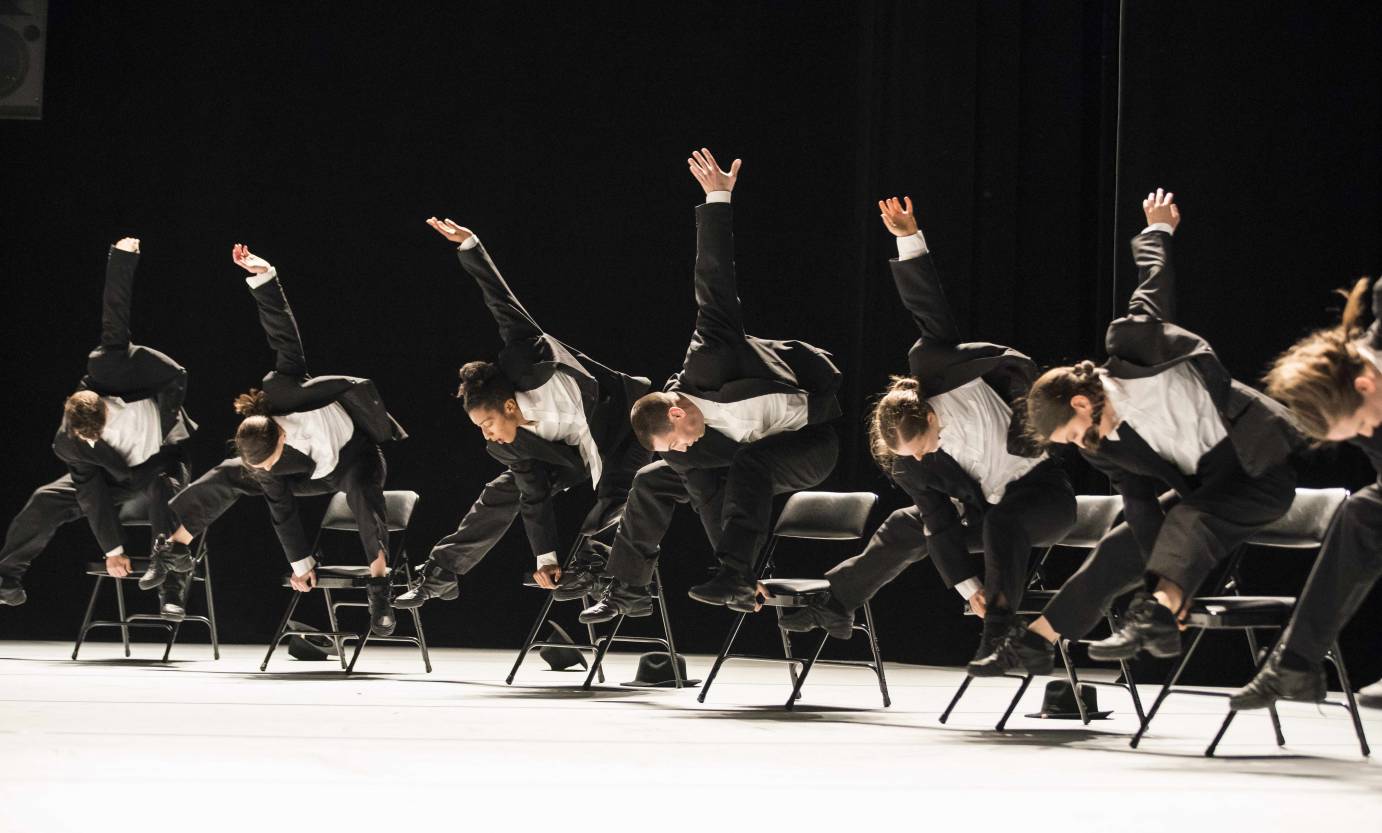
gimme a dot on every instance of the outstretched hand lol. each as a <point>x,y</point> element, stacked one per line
<point>247,260</point>
<point>707,171</point>
<point>897,216</point>
<point>1161,208</point>
<point>128,244</point>
<point>450,229</point>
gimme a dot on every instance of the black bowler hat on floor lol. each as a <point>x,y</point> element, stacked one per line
<point>1058,703</point>
<point>308,648</point>
<point>560,659</point>
<point>655,671</point>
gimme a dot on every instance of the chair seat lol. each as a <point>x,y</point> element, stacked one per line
<point>338,577</point>
<point>1240,611</point>
<point>795,592</point>
<point>137,567</point>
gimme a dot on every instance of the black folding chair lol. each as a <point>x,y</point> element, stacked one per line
<point>1094,517</point>
<point>813,516</point>
<point>1302,527</point>
<point>399,507</point>
<point>135,514</point>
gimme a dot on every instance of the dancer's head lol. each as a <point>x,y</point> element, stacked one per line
<point>259,440</point>
<point>666,422</point>
<point>488,397</point>
<point>1325,379</point>
<point>85,415</point>
<point>1066,405</point>
<point>902,423</point>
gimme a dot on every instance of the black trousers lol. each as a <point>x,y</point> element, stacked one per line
<point>1349,564</point>
<point>1037,509</point>
<point>359,473</point>
<point>1199,530</point>
<point>736,511</point>
<point>55,504</point>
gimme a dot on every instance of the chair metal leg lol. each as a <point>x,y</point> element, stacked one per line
<point>964,686</point>
<point>806,669</point>
<point>335,626</point>
<point>86,621</point>
<point>877,655</point>
<point>600,651</point>
<point>1336,658</point>
<point>210,600</point>
<point>787,651</point>
<point>1012,706</point>
<point>422,641</point>
<point>177,628</point>
<point>667,631</point>
<point>1223,728</point>
<point>282,626</point>
<point>1073,679</point>
<point>532,637</point>
<point>587,601</point>
<point>124,628</point>
<point>1126,669</point>
<point>359,646</point>
<point>720,659</point>
<point>1166,689</point>
<point>1276,725</point>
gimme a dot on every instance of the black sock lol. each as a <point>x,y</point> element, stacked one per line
<point>1294,661</point>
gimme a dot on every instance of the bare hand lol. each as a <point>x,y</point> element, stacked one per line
<point>248,261</point>
<point>707,171</point>
<point>547,576</point>
<point>450,229</point>
<point>897,216</point>
<point>1160,208</point>
<point>118,565</point>
<point>979,604</point>
<point>305,582</point>
<point>128,244</point>
<point>761,595</point>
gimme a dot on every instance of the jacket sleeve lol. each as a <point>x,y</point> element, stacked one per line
<point>919,287</point>
<point>535,504</point>
<point>280,328</point>
<point>945,535</point>
<point>718,315</point>
<point>1141,501</point>
<point>94,498</point>
<point>515,324</point>
<point>1155,295</point>
<point>117,297</point>
<point>283,510</point>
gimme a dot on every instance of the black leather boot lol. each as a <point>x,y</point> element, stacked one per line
<point>381,618</point>
<point>1147,626</point>
<point>170,596</point>
<point>437,583</point>
<point>996,623</point>
<point>825,614</point>
<point>619,599</point>
<point>1017,649</point>
<point>729,588</point>
<point>168,557</point>
<point>583,576</point>
<point>1277,682</point>
<point>12,592</point>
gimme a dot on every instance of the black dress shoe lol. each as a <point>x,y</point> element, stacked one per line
<point>821,614</point>
<point>1147,626</point>
<point>168,557</point>
<point>996,623</point>
<point>170,594</point>
<point>437,583</point>
<point>12,592</point>
<point>1276,682</point>
<point>729,588</point>
<point>619,599</point>
<point>577,585</point>
<point>381,618</point>
<point>1017,649</point>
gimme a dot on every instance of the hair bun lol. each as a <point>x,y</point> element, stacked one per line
<point>1084,369</point>
<point>477,373</point>
<point>904,383</point>
<point>253,403</point>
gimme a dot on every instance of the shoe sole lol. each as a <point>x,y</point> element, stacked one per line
<point>706,599</point>
<point>633,614</point>
<point>173,617</point>
<point>13,601</point>
<point>1160,650</point>
<point>151,584</point>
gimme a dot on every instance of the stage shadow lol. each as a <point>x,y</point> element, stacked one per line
<point>114,662</point>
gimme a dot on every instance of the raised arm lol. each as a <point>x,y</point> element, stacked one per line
<point>118,367</point>
<point>515,324</point>
<point>280,327</point>
<point>1155,295</point>
<point>718,316</point>
<point>918,282</point>
<point>119,292</point>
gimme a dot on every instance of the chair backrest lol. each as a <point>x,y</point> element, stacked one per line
<point>1304,524</point>
<point>826,516</point>
<point>1094,516</point>
<point>135,512</point>
<point>398,512</point>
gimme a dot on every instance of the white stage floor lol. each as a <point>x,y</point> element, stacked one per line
<point>109,744</point>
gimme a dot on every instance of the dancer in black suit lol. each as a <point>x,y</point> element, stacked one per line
<point>555,418</point>
<point>1162,410</point>
<point>950,433</point>
<point>300,436</point>
<point>744,420</point>
<point>121,438</point>
<point>1332,381</point>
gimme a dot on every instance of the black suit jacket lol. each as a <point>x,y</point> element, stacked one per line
<point>1147,342</point>
<point>530,356</point>
<point>723,363</point>
<point>133,373</point>
<point>940,362</point>
<point>289,387</point>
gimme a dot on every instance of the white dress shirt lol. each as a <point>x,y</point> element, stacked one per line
<point>134,430</point>
<point>1172,411</point>
<point>749,420</point>
<point>974,422</point>
<point>320,434</point>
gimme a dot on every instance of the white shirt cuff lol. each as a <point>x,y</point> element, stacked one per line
<point>1166,227</point>
<point>913,245</point>
<point>470,242</point>
<point>717,196</point>
<point>120,550</point>
<point>256,281</point>
<point>304,566</point>
<point>968,588</point>
<point>547,559</point>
